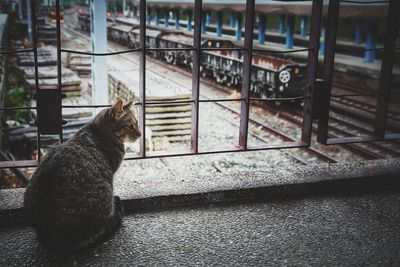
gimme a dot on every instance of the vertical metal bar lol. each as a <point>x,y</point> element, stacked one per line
<point>328,68</point>
<point>35,64</point>
<point>196,75</point>
<point>312,63</point>
<point>392,28</point>
<point>142,75</point>
<point>59,73</point>
<point>246,83</point>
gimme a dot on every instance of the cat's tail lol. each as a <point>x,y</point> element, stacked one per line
<point>71,242</point>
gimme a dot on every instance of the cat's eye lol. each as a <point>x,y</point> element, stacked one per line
<point>129,127</point>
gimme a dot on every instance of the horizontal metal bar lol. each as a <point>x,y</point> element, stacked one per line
<point>17,108</point>
<point>18,164</point>
<point>296,98</point>
<point>86,106</point>
<point>378,49</point>
<point>345,95</point>
<point>101,54</point>
<point>220,100</point>
<point>160,102</point>
<point>179,153</point>
<point>281,51</point>
<point>222,49</point>
<point>359,139</point>
<point>16,51</point>
<point>169,49</point>
<point>364,2</point>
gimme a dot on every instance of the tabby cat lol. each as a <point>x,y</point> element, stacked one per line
<point>69,200</point>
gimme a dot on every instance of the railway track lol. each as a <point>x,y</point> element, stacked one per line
<point>367,151</point>
<point>282,135</point>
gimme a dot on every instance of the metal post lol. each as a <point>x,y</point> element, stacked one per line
<point>322,40</point>
<point>196,75</point>
<point>247,59</point>
<point>208,18</point>
<point>98,34</point>
<point>142,75</point>
<point>303,26</point>
<point>328,69</point>
<point>282,20</point>
<point>261,28</point>
<point>148,17</point>
<point>359,30</point>
<point>123,8</point>
<point>219,23</point>
<point>189,20</point>
<point>177,19</point>
<point>20,10</point>
<point>166,18</point>
<point>238,34</point>
<point>29,19</point>
<point>232,21</point>
<point>203,22</point>
<point>157,18</point>
<point>392,28</point>
<point>290,32</point>
<point>369,56</point>
<point>312,63</point>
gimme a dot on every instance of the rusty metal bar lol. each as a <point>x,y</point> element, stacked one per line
<point>35,63</point>
<point>18,164</point>
<point>315,30</point>
<point>178,153</point>
<point>359,139</point>
<point>16,51</point>
<point>296,98</point>
<point>196,75</point>
<point>142,75</point>
<point>328,69</point>
<point>267,51</point>
<point>59,72</point>
<point>392,27</point>
<point>100,54</point>
<point>246,82</point>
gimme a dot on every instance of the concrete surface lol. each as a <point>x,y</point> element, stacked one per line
<point>331,230</point>
<point>172,191</point>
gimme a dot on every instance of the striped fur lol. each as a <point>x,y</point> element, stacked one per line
<point>69,199</point>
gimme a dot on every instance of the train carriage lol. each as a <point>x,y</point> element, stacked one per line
<point>271,77</point>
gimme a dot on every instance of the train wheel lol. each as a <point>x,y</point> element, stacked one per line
<point>169,58</point>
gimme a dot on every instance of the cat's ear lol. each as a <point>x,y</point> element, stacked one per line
<point>128,106</point>
<point>117,107</point>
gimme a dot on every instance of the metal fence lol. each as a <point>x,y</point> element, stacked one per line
<point>49,105</point>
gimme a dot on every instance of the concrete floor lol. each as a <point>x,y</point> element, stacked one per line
<point>335,230</point>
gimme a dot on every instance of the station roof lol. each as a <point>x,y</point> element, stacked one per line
<point>365,8</point>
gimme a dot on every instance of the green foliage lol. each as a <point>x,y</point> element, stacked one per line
<point>17,97</point>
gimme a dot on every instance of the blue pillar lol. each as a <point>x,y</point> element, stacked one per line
<point>359,30</point>
<point>148,17</point>
<point>209,18</point>
<point>290,32</point>
<point>322,41</point>
<point>232,24</point>
<point>177,19</point>
<point>370,43</point>
<point>219,23</point>
<point>189,20</point>
<point>157,18</point>
<point>166,18</point>
<point>282,19</point>
<point>303,26</point>
<point>261,28</point>
<point>29,20</point>
<point>238,34</point>
<point>203,22</point>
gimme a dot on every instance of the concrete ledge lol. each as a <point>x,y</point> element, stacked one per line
<point>366,176</point>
